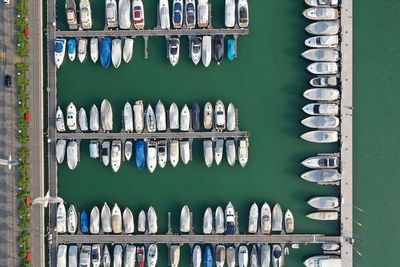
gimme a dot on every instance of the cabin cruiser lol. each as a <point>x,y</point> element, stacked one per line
<point>322,162</point>
<point>162,153</point>
<point>229,13</point>
<point>138,14</point>
<point>116,52</point>
<point>265,219</point>
<point>174,255</point>
<point>196,256</point>
<point>323,260</point>
<point>73,256</point>
<point>130,255</point>
<point>60,124</point>
<point>208,116</point>
<point>83,121</point>
<point>323,68</point>
<point>84,222</point>
<point>61,219</point>
<point>321,54</point>
<point>59,51</point>
<point>208,152</point>
<point>105,153</point>
<point>289,222</point>
<point>60,150</point>
<point>142,222</point>
<point>220,120</point>
<point>207,222</point>
<point>324,215</point>
<point>105,52</point>
<point>219,221</point>
<point>116,219</point>
<point>84,257</point>
<point>219,48</point>
<point>106,218</point>
<point>127,218</point>
<point>161,117</point>
<point>117,259</point>
<point>152,220</point>
<point>230,219</point>
<point>82,49</point>
<point>322,94</point>
<point>231,118</point>
<point>140,154</point>
<point>243,256</point>
<point>324,203</point>
<point>106,257</point>
<point>321,122</point>
<point>230,151</point>
<point>85,14</point>
<point>321,109</point>
<point>265,255</point>
<point>326,176</point>
<point>150,119</point>
<point>277,218</point>
<point>173,117</point>
<point>206,51</point>
<point>96,255</point>
<point>324,81</point>
<point>207,257</point>
<point>253,219</point>
<point>328,41</point>
<point>185,219</point>
<point>195,117</point>
<point>185,119</point>
<point>151,155</point>
<point>219,150</point>
<point>128,118</point>
<point>322,3</point>
<point>321,136</point>
<point>243,151</point>
<point>243,14</point>
<point>72,220</point>
<point>254,257</point>
<point>128,148</point>
<point>323,28</point>
<point>138,111</point>
<point>111,14</point>
<point>116,149</point>
<point>177,14</point>
<point>195,49</point>
<point>128,50</point>
<point>330,246</point>
<point>321,13</point>
<point>71,49</point>
<point>164,14</point>
<point>71,14</point>
<point>277,256</point>
<point>231,53</point>
<point>95,220</point>
<point>185,151</point>
<point>174,152</point>
<point>173,50</point>
<point>94,149</point>
<point>231,256</point>
<point>202,13</point>
<point>124,14</point>
<point>190,14</point>
<point>94,49</point>
<point>152,255</point>
<point>72,155</point>
<point>106,115</point>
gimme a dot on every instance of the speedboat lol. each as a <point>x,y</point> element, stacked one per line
<point>207,257</point>
<point>265,255</point>
<point>128,148</point>
<point>116,219</point>
<point>72,155</point>
<point>82,49</point>
<point>150,120</point>
<point>206,50</point>
<point>177,14</point>
<point>106,115</point>
<point>124,14</point>
<point>151,155</point>
<point>324,81</point>
<point>152,221</point>
<point>322,176</point>
<point>127,218</point>
<point>253,219</point>
<point>231,256</point>
<point>152,255</point>
<point>117,259</point>
<point>94,149</point>
<point>230,151</point>
<point>185,151</point>
<point>195,117</point>
<point>323,68</point>
<point>174,255</point>
<point>140,154</point>
<point>243,151</point>
<point>95,220</point>
<point>329,41</point>
<point>277,256</point>
<point>71,117</point>
<point>111,14</point>
<point>322,94</point>
<point>185,119</point>
<point>277,218</point>
<point>83,121</point>
<point>94,49</point>
<point>231,54</point>
<point>174,152</point>
<point>230,219</point>
<point>161,117</point>
<point>208,152</point>
<point>173,50</point>
<point>173,117</point>
<point>202,13</point>
<point>322,3</point>
<point>105,52</point>
<point>289,222</point>
<point>138,111</point>
<point>116,149</point>
<point>105,153</point>
<point>61,219</point>
<point>71,14</point>
<point>128,118</point>
<point>130,256</point>
<point>321,54</point>
<point>106,218</point>
<point>164,14</point>
<point>60,124</point>
<point>265,219</point>
<point>73,256</point>
<point>190,14</point>
<point>321,109</point>
<point>128,49</point>
<point>195,49</point>
<point>321,122</point>
<point>330,246</point>
<point>231,118</point>
<point>321,13</point>
<point>324,215</point>
<point>142,222</point>
<point>219,150</point>
<point>60,150</point>
<point>162,153</point>
<point>196,256</point>
<point>219,48</point>
<point>321,136</point>
<point>220,120</point>
<point>243,256</point>
<point>323,28</point>
<point>116,52</point>
<point>96,255</point>
<point>254,257</point>
<point>322,162</point>
<point>323,260</point>
<point>59,51</point>
<point>85,14</point>
<point>84,257</point>
<point>207,222</point>
<point>138,14</point>
<point>62,256</point>
<point>219,221</point>
<point>72,220</point>
<point>84,222</point>
<point>71,49</point>
<point>243,14</point>
<point>185,219</point>
<point>106,257</point>
<point>324,203</point>
<point>208,116</point>
<point>229,13</point>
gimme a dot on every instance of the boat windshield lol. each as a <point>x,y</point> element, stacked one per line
<point>190,16</point>
<point>243,14</point>
<point>161,149</point>
<point>177,16</point>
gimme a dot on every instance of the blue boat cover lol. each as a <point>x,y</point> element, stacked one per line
<point>140,154</point>
<point>231,49</point>
<point>208,258</point>
<point>177,13</point>
<point>84,222</point>
<point>105,53</point>
<point>58,46</point>
<point>71,46</point>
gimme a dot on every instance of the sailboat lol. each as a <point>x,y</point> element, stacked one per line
<point>116,51</point>
<point>173,117</point>
<point>128,118</point>
<point>72,220</point>
<point>161,118</point>
<point>116,219</point>
<point>95,220</point>
<point>106,218</point>
<point>130,256</point>
<point>277,218</point>
<point>124,14</point>
<point>94,119</point>
<point>61,219</point>
<point>207,221</point>
<point>152,221</point>
<point>72,155</point>
<point>94,49</point>
<point>253,219</point>
<point>106,115</point>
<point>128,49</point>
<point>83,121</point>
<point>127,217</point>
<point>185,219</point>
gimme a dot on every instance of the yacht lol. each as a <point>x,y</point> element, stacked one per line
<point>173,50</point>
<point>152,255</point>
<point>277,256</point>
<point>174,255</point>
<point>106,218</point>
<point>173,117</point>
<point>206,51</point>
<point>324,28</point>
<point>321,122</point>
<point>277,218</point>
<point>128,49</point>
<point>208,152</point>
<point>324,215</point>
<point>185,119</point>
<point>127,218</point>
<point>161,117</point>
<point>289,222</point>
<point>265,255</point>
<point>186,153</point>
<point>124,14</point>
<point>254,257</point>
<point>207,257</point>
<point>322,176</point>
<point>219,48</point>
<point>94,119</point>
<point>196,256</point>
<point>322,3</point>
<point>322,94</point>
<point>111,14</point>
<point>253,219</point>
<point>321,109</point>
<point>321,13</point>
<point>59,51</point>
<point>177,13</point>
<point>84,257</point>
<point>95,220</point>
<point>322,162</point>
<point>116,51</point>
<point>94,149</point>
<point>83,121</point>
<point>130,256</point>
<point>85,14</point>
<point>174,152</point>
<point>96,255</point>
<point>84,222</point>
<point>324,81</point>
<point>243,256</point>
<point>230,151</point>
<point>94,49</point>
<point>138,111</point>
<point>218,151</point>
<point>185,219</point>
<point>164,14</point>
<point>128,118</point>
<point>116,149</point>
<point>117,259</point>
<point>162,153</point>
<point>72,220</point>
<point>140,154</point>
<point>219,221</point>
<point>202,13</point>
<point>82,49</point>
<point>208,116</point>
<point>328,41</point>
<point>128,148</point>
<point>324,203</point>
<point>220,120</point>
<point>60,150</point>
<point>330,246</point>
<point>321,54</point>
<point>138,14</point>
<point>150,119</point>
<point>207,222</point>
<point>151,155</point>
<point>142,222</point>
<point>190,14</point>
<point>195,117</point>
<point>323,260</point>
<point>60,124</point>
<point>265,219</point>
<point>106,257</point>
<point>106,115</point>
<point>73,256</point>
<point>116,219</point>
<point>61,219</point>
<point>229,13</point>
<point>321,136</point>
<point>323,68</point>
<point>152,221</point>
<point>105,153</point>
<point>71,14</point>
<point>105,52</point>
<point>243,151</point>
<point>72,155</point>
<point>71,117</point>
<point>243,14</point>
<point>231,118</point>
<point>195,49</point>
<point>231,53</point>
<point>231,256</point>
<point>230,219</point>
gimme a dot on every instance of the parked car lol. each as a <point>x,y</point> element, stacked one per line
<point>7,2</point>
<point>7,80</point>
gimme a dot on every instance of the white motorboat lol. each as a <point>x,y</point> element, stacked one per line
<point>127,218</point>
<point>322,176</point>
<point>59,51</point>
<point>161,117</point>
<point>94,49</point>
<point>220,120</point>
<point>321,13</point>
<point>208,222</point>
<point>138,14</point>
<point>85,12</point>
<point>321,136</point>
<point>185,119</point>
<point>253,219</point>
<point>324,81</point>
<point>321,122</point>
<point>243,151</point>
<point>322,162</point>
<point>116,51</point>
<point>208,152</point>
<point>230,219</point>
<point>128,118</point>
<point>111,14</point>
<point>206,50</point>
<point>150,119</point>
<point>62,256</point>
<point>72,220</point>
<point>128,148</point>
<point>116,153</point>
<point>208,116</point>
<point>94,149</point>
<point>322,94</point>
<point>83,121</point>
<point>229,13</point>
<point>265,219</point>
<point>106,218</point>
<point>138,111</point>
<point>323,260</point>
<point>231,117</point>
<point>196,256</point>
<point>277,218</point>
<point>61,219</point>
<point>321,109</point>
<point>195,49</point>
<point>71,15</point>
<point>94,220</point>
<point>174,152</point>
<point>323,68</point>
<point>324,215</point>
<point>330,246</point>
<point>277,256</point>
<point>321,54</point>
<point>322,3</point>
<point>185,219</point>
<point>142,222</point>
<point>202,13</point>
<point>177,14</point>
<point>174,255</point>
<point>60,123</point>
<point>265,255</point>
<point>82,49</point>
<point>173,50</point>
<point>151,155</point>
<point>243,256</point>
<point>96,255</point>
<point>231,256</point>
<point>289,222</point>
<point>164,14</point>
<point>117,259</point>
<point>324,203</point>
<point>162,153</point>
<point>105,153</point>
<point>106,257</point>
<point>116,219</point>
<point>220,255</point>
<point>72,155</point>
<point>71,117</point>
<point>329,41</point>
<point>324,28</point>
<point>152,255</point>
<point>152,221</point>
<point>219,151</point>
<point>219,221</point>
<point>230,151</point>
<point>130,256</point>
<point>124,14</point>
<point>94,119</point>
<point>254,257</point>
<point>128,49</point>
<point>60,150</point>
<point>73,256</point>
<point>106,115</point>
<point>173,116</point>
<point>243,13</point>
<point>185,152</point>
<point>84,257</point>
